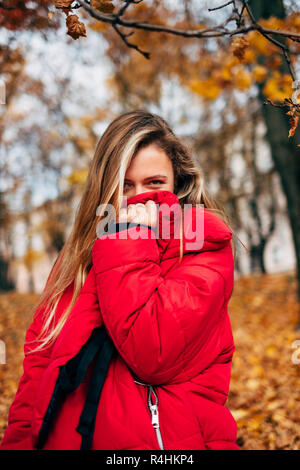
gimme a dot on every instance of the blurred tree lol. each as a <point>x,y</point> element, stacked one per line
<point>18,15</point>
<point>284,152</point>
<point>6,282</point>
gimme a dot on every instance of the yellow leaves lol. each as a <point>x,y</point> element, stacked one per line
<point>75,27</point>
<point>273,61</point>
<point>257,300</point>
<point>273,23</point>
<point>259,73</point>
<point>50,15</point>
<point>223,76</point>
<point>279,416</point>
<point>294,21</point>
<point>63,3</point>
<point>78,176</point>
<point>256,421</point>
<point>231,74</point>
<point>271,351</point>
<point>252,384</point>
<point>31,257</point>
<point>15,317</point>
<point>230,62</point>
<point>242,79</point>
<point>273,405</point>
<point>205,88</point>
<point>105,6</point>
<point>239,414</point>
<point>278,87</point>
<point>249,56</point>
<point>259,43</point>
<point>98,26</point>
<point>264,388</point>
<point>238,47</point>
<point>85,144</point>
<point>254,359</point>
<point>258,370</point>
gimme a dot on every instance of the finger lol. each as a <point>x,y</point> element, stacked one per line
<point>131,212</point>
<point>152,211</point>
<point>140,208</point>
<point>123,215</point>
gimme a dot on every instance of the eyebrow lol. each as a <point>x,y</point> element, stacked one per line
<point>151,177</point>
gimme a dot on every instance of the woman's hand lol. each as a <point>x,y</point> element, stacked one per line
<point>140,213</point>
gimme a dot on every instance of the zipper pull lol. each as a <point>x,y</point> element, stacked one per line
<point>154,413</point>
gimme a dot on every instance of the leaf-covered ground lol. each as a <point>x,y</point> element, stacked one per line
<point>264,390</point>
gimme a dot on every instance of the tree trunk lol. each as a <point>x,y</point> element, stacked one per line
<point>285,153</point>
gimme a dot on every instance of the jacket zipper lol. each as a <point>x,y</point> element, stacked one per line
<point>153,408</point>
<point>154,413</point>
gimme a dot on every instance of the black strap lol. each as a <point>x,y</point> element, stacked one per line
<point>74,371</point>
<point>88,416</point>
<point>70,377</point>
<point>118,226</point>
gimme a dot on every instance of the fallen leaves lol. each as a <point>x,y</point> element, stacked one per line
<point>263,395</point>
<point>264,388</point>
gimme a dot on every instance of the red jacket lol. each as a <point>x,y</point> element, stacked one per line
<point>170,326</point>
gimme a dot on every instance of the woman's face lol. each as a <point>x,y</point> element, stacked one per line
<point>151,169</point>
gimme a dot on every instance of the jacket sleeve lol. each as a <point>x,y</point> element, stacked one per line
<point>18,435</point>
<point>157,323</point>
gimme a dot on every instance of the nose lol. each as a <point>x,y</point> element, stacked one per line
<point>139,189</point>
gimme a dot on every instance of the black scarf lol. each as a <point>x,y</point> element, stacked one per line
<point>71,374</point>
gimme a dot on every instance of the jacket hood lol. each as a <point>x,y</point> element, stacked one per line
<point>203,230</point>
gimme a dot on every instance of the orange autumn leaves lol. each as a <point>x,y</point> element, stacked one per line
<point>253,59</point>
<point>240,69</point>
<point>265,378</point>
<point>264,387</point>
<point>76,28</point>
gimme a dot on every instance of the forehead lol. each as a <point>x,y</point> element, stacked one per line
<point>149,160</point>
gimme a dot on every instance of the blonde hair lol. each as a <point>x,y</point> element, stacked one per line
<point>121,141</point>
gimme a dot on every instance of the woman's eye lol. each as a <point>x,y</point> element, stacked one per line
<point>155,182</point>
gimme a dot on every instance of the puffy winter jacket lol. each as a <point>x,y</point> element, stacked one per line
<point>169,324</point>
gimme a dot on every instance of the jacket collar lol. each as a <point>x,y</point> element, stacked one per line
<point>203,230</point>
<point>86,311</point>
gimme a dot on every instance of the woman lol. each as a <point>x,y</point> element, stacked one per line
<point>162,301</point>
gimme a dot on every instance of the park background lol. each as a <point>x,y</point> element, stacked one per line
<point>225,76</point>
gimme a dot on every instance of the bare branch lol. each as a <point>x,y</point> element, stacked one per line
<point>221,6</point>
<point>216,31</point>
<point>129,44</point>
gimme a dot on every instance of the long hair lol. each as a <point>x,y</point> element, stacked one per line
<point>121,141</point>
